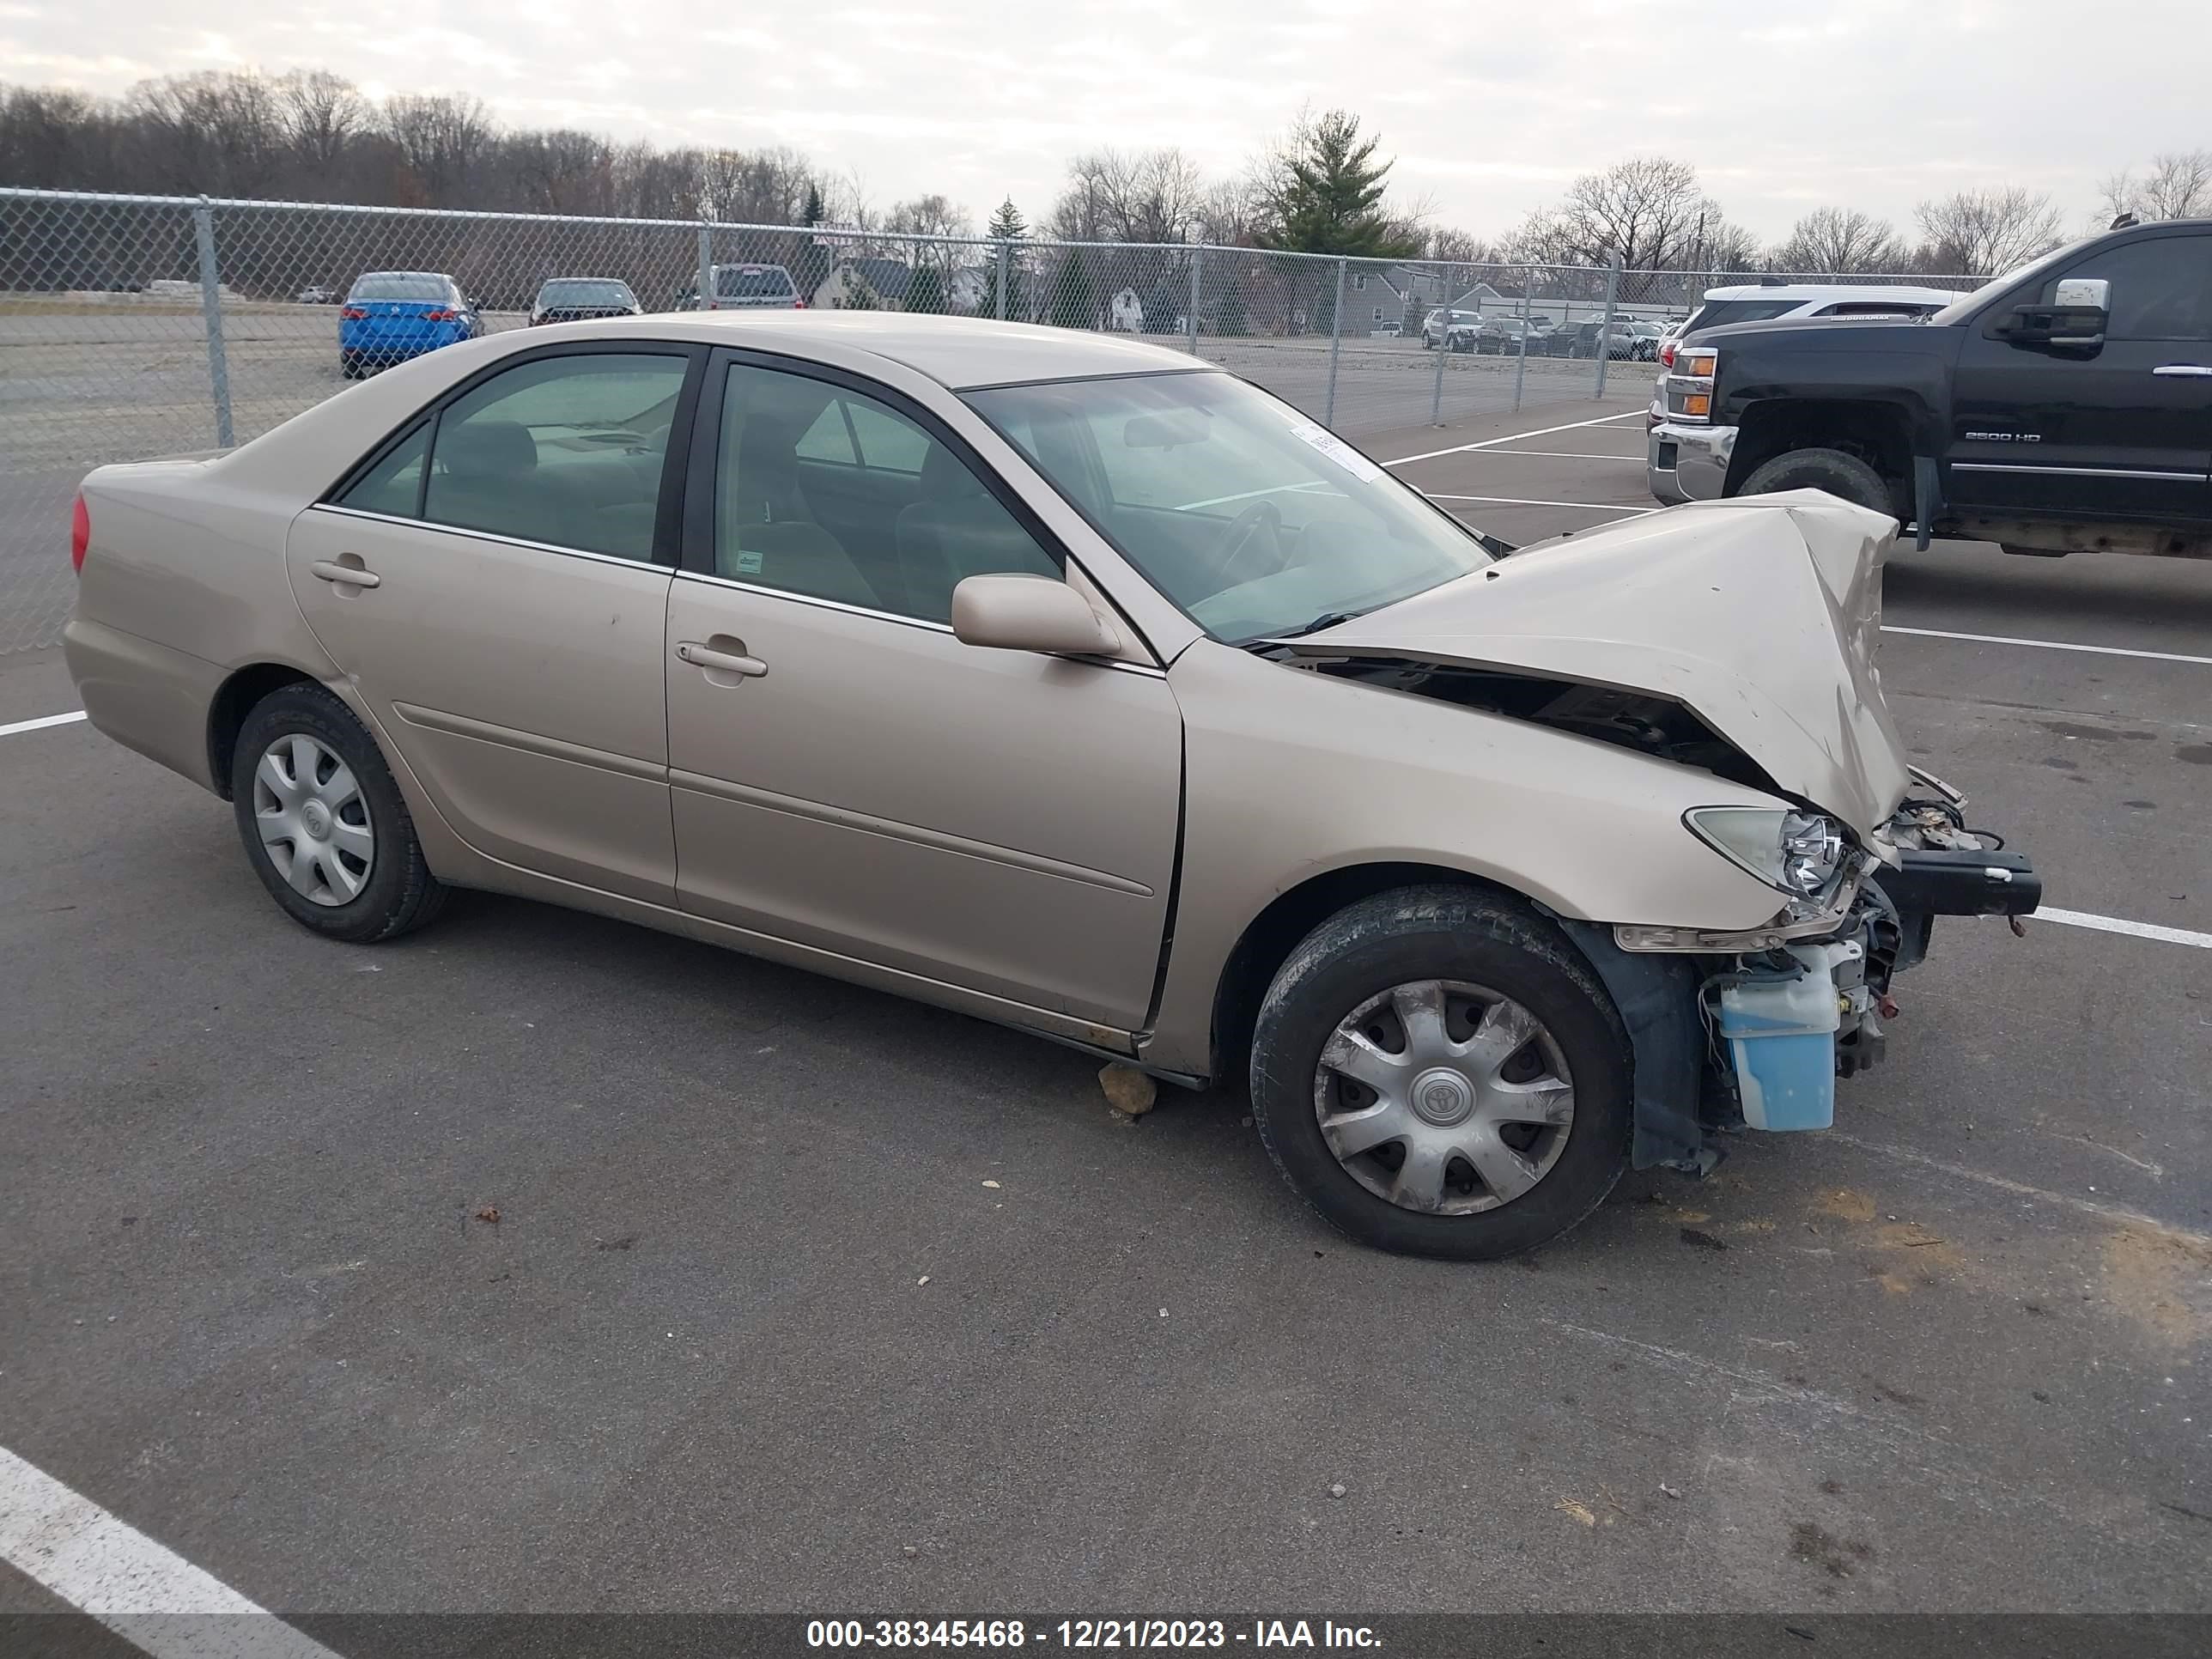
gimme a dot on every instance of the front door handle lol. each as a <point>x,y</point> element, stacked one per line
<point>726,662</point>
<point>352,575</point>
<point>2185,371</point>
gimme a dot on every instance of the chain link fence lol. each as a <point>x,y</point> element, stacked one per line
<point>132,326</point>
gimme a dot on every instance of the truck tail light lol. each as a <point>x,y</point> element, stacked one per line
<point>80,535</point>
<point>1667,354</point>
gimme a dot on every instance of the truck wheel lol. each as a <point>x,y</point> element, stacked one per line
<point>1844,476</point>
<point>1441,1074</point>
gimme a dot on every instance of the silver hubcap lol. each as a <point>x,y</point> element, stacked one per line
<point>1444,1098</point>
<point>313,823</point>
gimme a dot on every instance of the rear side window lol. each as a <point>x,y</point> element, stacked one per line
<point>2161,288</point>
<point>394,485</point>
<point>567,450</point>
<point>1875,308</point>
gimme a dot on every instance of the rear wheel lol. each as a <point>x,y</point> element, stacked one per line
<point>1441,1074</point>
<point>1841,474</point>
<point>324,825</point>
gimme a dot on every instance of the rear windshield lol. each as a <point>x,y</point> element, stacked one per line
<point>584,293</point>
<point>389,286</point>
<point>753,283</point>
<point>1717,314</point>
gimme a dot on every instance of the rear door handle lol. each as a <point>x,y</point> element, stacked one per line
<point>352,574</point>
<point>727,662</point>
<point>2185,371</point>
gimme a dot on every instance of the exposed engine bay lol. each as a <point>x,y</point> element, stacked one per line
<point>1634,719</point>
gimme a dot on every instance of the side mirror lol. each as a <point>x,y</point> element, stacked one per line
<point>2077,316</point>
<point>1031,613</point>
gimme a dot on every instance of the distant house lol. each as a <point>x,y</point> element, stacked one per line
<point>863,284</point>
<point>1483,297</point>
<point>967,291</point>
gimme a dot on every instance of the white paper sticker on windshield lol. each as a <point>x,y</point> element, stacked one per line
<point>1337,450</point>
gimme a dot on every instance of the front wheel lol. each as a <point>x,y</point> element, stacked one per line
<point>1441,1073</point>
<point>325,826</point>
<point>1840,473</point>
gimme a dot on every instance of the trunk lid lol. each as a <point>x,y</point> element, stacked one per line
<point>1759,614</point>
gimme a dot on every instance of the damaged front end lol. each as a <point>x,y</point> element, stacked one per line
<point>1776,1015</point>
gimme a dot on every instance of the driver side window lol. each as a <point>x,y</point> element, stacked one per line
<point>2161,288</point>
<point>827,493</point>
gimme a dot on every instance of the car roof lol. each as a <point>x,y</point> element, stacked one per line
<point>1832,291</point>
<point>957,352</point>
<point>427,275</point>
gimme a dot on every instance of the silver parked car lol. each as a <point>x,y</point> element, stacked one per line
<point>1058,679</point>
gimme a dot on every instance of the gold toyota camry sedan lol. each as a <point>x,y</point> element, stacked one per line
<point>1068,682</point>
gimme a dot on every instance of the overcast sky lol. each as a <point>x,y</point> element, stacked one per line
<point>1782,105</point>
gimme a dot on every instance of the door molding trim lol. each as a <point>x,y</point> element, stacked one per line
<point>2079,471</point>
<point>891,829</point>
<point>460,725</point>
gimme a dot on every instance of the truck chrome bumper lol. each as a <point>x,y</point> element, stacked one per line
<point>1689,462</point>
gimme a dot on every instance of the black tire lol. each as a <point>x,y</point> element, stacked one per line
<point>1451,934</point>
<point>1844,476</point>
<point>349,366</point>
<point>399,894</point>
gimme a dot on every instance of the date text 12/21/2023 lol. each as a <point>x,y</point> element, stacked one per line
<point>1086,1633</point>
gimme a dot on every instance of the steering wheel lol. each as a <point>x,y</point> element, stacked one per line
<point>1242,531</point>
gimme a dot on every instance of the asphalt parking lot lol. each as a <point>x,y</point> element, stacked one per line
<point>801,1298</point>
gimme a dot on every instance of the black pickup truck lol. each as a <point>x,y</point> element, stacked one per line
<point>2064,407</point>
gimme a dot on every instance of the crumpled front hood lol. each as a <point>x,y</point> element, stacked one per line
<point>1760,614</point>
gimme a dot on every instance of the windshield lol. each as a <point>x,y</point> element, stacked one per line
<point>1963,307</point>
<point>384,285</point>
<point>594,291</point>
<point>753,283</point>
<point>1257,522</point>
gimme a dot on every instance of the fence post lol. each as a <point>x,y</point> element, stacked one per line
<point>1605,330</point>
<point>1521,368</point>
<point>1005,266</point>
<point>1444,335</point>
<point>1335,348</point>
<point>211,310</point>
<point>707,263</point>
<point>1190,323</point>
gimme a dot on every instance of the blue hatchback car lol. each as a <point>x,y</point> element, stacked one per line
<point>390,316</point>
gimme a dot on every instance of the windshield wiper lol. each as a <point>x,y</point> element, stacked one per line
<point>1327,619</point>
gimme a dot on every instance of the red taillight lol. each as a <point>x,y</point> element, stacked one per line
<point>80,535</point>
<point>353,313</point>
<point>1666,355</point>
<point>441,316</point>
<point>798,305</point>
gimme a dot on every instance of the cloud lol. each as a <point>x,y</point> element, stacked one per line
<point>1872,103</point>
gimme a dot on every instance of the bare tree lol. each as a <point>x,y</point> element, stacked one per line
<point>1118,196</point>
<point>1979,233</point>
<point>441,139</point>
<point>1835,241</point>
<point>217,130</point>
<point>2179,186</point>
<point>321,115</point>
<point>1447,244</point>
<point>1648,212</point>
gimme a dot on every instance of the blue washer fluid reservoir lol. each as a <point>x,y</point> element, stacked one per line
<point>1781,1035</point>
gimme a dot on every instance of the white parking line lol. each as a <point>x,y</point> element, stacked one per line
<point>2051,645</point>
<point>40,724</point>
<point>144,1591</point>
<point>1521,500</point>
<point>1514,437</point>
<point>2122,925</point>
<point>1565,455</point>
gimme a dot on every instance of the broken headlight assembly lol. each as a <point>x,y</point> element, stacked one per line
<point>1805,856</point>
